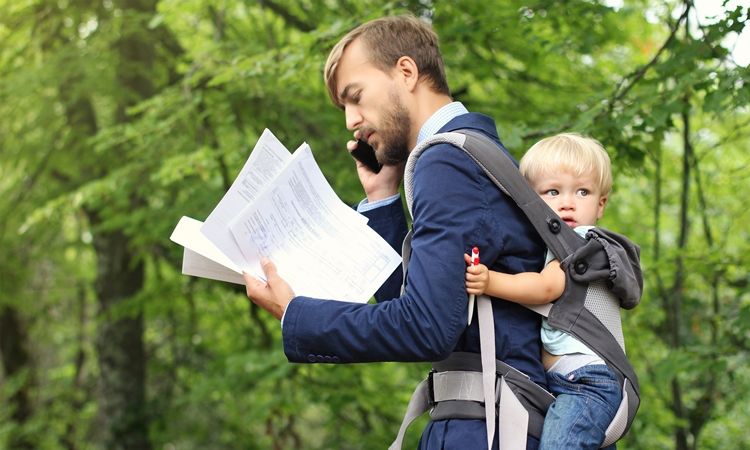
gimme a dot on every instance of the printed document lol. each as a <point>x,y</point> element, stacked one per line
<point>281,207</point>
<point>313,238</point>
<point>265,162</point>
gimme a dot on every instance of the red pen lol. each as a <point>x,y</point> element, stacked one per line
<point>474,262</point>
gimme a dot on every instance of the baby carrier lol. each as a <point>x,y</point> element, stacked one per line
<point>602,275</point>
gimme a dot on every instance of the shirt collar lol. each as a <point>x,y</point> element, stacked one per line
<point>439,118</point>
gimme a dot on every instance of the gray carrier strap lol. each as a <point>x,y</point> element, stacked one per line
<point>458,386</point>
<point>485,153</point>
<point>615,257</point>
<point>514,417</point>
<point>605,259</point>
<point>418,404</point>
<point>535,398</point>
<point>405,255</point>
<point>487,348</point>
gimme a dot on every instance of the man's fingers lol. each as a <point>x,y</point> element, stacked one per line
<point>274,295</point>
<point>249,278</point>
<point>253,286</point>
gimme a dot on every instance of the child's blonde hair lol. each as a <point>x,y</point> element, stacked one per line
<point>571,152</point>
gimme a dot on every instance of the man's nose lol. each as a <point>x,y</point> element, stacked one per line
<point>353,117</point>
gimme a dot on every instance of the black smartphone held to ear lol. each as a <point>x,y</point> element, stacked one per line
<point>365,154</point>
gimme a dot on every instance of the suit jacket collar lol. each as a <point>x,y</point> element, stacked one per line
<point>473,121</point>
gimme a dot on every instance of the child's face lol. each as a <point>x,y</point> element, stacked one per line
<point>577,200</point>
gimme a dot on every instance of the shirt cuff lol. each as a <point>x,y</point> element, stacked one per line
<point>281,322</point>
<point>364,205</point>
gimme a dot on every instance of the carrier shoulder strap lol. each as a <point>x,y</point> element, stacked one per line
<point>561,240</point>
<point>620,259</point>
<point>500,168</point>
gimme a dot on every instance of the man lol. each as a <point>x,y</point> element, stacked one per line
<point>388,77</point>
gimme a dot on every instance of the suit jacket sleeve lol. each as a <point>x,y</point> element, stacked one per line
<point>424,324</point>
<point>390,222</point>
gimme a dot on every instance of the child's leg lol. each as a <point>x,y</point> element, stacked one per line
<point>587,400</point>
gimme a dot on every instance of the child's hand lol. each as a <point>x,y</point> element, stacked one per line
<point>477,277</point>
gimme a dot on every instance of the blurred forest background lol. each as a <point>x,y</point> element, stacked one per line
<point>119,116</point>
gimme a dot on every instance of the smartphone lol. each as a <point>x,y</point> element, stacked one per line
<point>365,154</point>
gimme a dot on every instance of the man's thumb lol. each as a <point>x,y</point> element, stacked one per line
<point>269,268</point>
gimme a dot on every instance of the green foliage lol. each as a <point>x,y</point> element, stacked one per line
<point>75,138</point>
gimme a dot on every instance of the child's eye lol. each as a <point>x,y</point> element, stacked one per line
<point>582,192</point>
<point>551,192</point>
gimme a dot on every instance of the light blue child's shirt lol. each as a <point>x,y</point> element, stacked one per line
<point>558,342</point>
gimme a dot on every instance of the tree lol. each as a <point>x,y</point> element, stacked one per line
<point>148,109</point>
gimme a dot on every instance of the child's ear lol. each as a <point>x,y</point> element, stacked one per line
<point>602,204</point>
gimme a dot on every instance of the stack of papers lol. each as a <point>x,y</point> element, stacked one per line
<point>281,207</point>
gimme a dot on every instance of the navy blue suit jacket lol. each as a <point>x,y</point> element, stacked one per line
<point>455,207</point>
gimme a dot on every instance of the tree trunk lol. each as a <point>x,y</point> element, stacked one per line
<point>120,273</point>
<point>119,343</point>
<point>678,294</point>
<point>15,359</point>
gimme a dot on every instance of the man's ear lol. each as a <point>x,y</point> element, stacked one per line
<point>407,72</point>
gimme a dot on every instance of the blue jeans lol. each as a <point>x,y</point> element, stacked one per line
<point>586,402</point>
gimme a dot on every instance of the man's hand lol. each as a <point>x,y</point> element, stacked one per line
<point>381,185</point>
<point>274,295</point>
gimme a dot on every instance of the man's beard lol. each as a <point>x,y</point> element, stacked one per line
<point>394,134</point>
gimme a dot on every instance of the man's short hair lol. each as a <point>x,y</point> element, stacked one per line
<point>571,152</point>
<point>387,39</point>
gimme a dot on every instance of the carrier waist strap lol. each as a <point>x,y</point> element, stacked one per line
<point>455,388</point>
